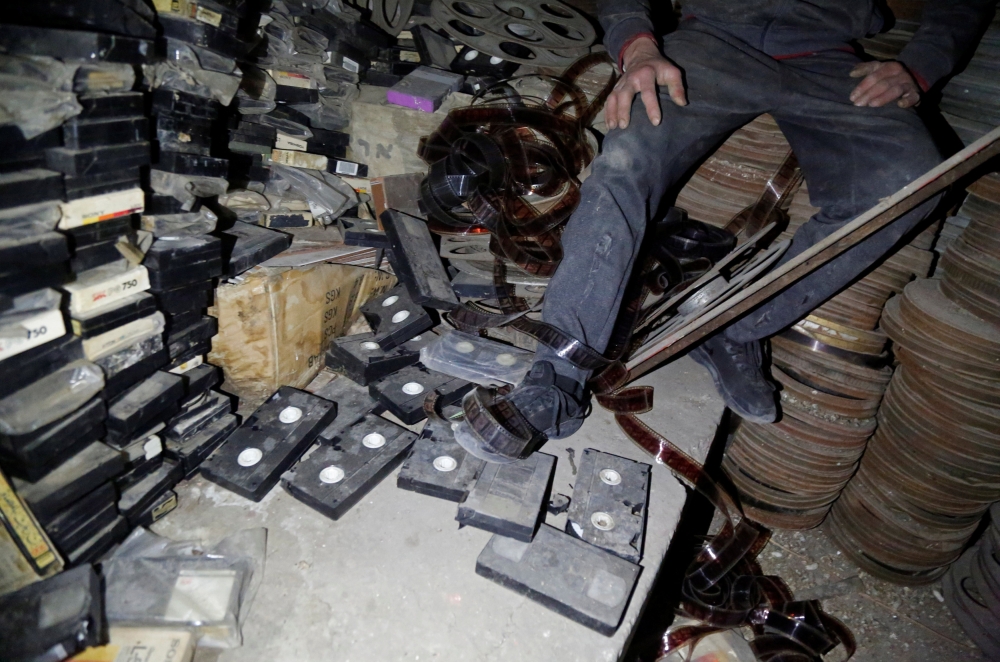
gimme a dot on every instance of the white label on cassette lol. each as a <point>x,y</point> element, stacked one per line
<point>32,332</point>
<point>292,79</point>
<point>351,65</point>
<point>122,336</point>
<point>190,364</point>
<point>101,208</point>
<point>84,297</point>
<point>299,159</point>
<point>347,168</point>
<point>285,141</point>
<point>207,16</point>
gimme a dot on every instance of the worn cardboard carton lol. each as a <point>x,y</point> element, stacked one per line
<point>275,323</point>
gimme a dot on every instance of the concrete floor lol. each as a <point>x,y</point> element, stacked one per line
<point>395,580</point>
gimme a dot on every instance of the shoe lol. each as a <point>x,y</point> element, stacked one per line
<point>739,377</point>
<point>553,405</point>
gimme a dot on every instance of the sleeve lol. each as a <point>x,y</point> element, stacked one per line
<point>949,32</point>
<point>623,21</point>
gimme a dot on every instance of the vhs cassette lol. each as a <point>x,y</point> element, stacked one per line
<point>78,163</point>
<point>100,208</point>
<point>173,253</point>
<point>196,414</point>
<point>181,342</point>
<point>437,466</point>
<point>415,260</point>
<point>362,232</point>
<point>132,364</point>
<point>78,475</point>
<point>104,131</point>
<point>154,512</point>
<point>333,478</point>
<point>509,499</point>
<point>95,233</point>
<point>141,494</point>
<point>185,104</point>
<point>353,404</point>
<point>100,542</point>
<point>200,378</point>
<point>131,19</point>
<point>61,613</point>
<point>100,287</point>
<point>250,462</point>
<point>96,255</point>
<point>141,404</point>
<point>93,185</point>
<point>73,526</point>
<point>362,360</point>
<point>395,317</point>
<point>38,250</point>
<point>120,104</point>
<point>74,45</point>
<point>182,275</point>
<point>195,296</point>
<point>562,573</point>
<point>31,365</point>
<point>246,245</point>
<point>193,165</point>
<point>403,393</point>
<point>30,456</point>
<point>105,318</point>
<point>191,452</point>
<point>204,35</point>
<point>28,187</point>
<point>608,508</point>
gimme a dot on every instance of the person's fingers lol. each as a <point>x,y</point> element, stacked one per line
<point>625,97</point>
<point>670,76</point>
<point>910,99</point>
<point>865,68</point>
<point>873,90</point>
<point>611,111</point>
<point>891,93</point>
<point>651,101</point>
<point>864,87</point>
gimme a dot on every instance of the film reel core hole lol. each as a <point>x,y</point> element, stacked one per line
<point>389,301</point>
<point>610,476</point>
<point>373,440</point>
<point>413,388</point>
<point>465,28</point>
<point>249,457</point>
<point>400,316</point>
<point>473,11</point>
<point>445,463</point>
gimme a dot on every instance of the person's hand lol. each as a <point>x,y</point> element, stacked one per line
<point>645,68</point>
<point>884,82</point>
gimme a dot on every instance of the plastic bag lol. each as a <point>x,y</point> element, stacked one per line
<point>37,93</point>
<point>193,223</point>
<point>29,220</point>
<point>186,188</point>
<point>153,581</point>
<point>50,398</point>
<point>25,307</point>
<point>197,57</point>
<point>328,113</point>
<point>186,77</point>
<point>328,195</point>
<point>480,360</point>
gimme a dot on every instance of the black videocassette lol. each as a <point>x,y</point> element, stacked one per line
<point>509,499</point>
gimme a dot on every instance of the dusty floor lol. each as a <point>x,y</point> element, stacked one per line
<point>890,623</point>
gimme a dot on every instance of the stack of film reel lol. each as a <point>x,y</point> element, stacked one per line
<point>972,589</point>
<point>832,369</point>
<point>933,465</point>
<point>970,102</point>
<point>732,178</point>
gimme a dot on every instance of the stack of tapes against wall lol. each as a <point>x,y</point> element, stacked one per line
<point>108,261</point>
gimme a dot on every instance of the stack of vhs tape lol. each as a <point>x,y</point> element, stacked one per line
<point>71,184</point>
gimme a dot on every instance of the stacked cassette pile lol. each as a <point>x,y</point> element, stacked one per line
<point>933,465</point>
<point>832,368</point>
<point>733,177</point>
<point>972,589</point>
<point>287,141</point>
<point>970,102</point>
<point>68,224</point>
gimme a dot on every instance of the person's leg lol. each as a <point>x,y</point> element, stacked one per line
<point>727,87</point>
<point>851,157</point>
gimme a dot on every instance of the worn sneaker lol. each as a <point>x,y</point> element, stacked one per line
<point>551,404</point>
<point>739,377</point>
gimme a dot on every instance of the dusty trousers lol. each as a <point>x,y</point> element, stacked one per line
<point>850,157</point>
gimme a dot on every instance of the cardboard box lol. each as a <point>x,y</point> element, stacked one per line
<point>275,323</point>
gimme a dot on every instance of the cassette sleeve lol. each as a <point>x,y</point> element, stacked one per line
<point>475,359</point>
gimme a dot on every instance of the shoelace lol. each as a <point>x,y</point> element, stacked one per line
<point>746,359</point>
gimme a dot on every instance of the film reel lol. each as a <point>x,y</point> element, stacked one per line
<point>391,15</point>
<point>524,31</point>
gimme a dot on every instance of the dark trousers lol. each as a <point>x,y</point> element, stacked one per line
<point>850,156</point>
